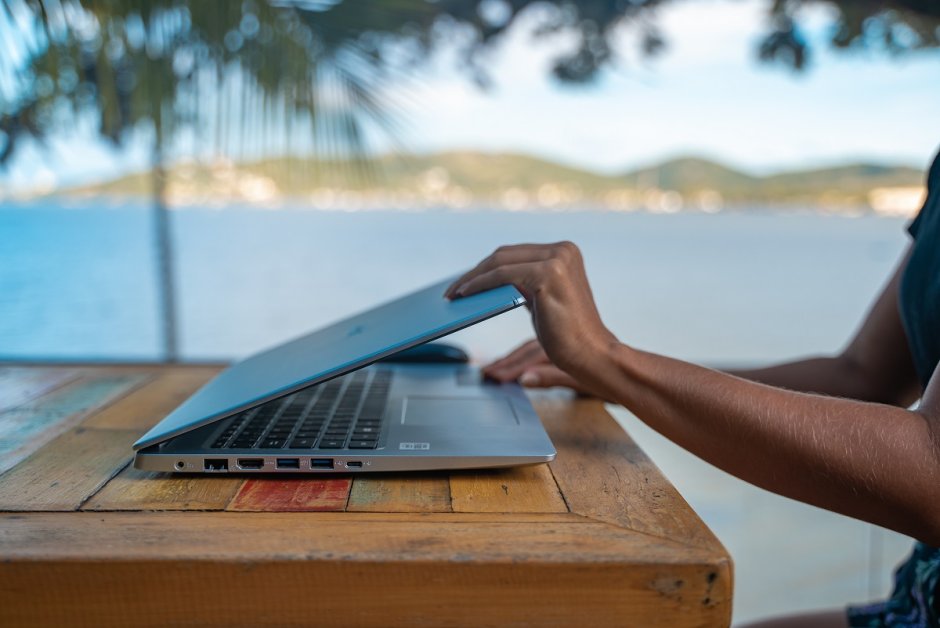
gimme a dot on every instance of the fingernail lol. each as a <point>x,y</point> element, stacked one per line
<point>529,379</point>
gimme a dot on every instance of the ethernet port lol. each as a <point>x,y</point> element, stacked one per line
<point>215,464</point>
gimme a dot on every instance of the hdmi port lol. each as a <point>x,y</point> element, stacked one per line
<point>250,464</point>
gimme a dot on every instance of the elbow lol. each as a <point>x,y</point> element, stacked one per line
<point>930,515</point>
<point>876,385</point>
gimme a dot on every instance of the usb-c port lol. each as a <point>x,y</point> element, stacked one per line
<point>354,463</point>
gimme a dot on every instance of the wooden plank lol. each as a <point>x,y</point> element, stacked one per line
<point>19,385</point>
<point>604,475</point>
<point>520,489</point>
<point>400,493</point>
<point>338,594</point>
<point>292,495</point>
<point>27,427</point>
<point>133,489</point>
<point>147,406</point>
<point>341,569</point>
<point>365,537</point>
<point>61,475</point>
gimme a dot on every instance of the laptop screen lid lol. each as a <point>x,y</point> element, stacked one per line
<point>332,351</point>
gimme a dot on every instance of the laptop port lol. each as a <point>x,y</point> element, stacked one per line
<point>321,463</point>
<point>288,463</point>
<point>250,464</point>
<point>215,464</point>
<point>354,464</point>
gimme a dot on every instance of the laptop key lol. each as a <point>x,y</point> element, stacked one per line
<point>362,444</point>
<point>273,443</point>
<point>331,444</point>
<point>301,443</point>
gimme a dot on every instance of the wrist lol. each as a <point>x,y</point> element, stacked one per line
<point>598,359</point>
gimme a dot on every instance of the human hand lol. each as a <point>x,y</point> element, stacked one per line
<point>552,279</point>
<point>529,364</point>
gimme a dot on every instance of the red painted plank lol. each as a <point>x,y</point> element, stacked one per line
<point>292,495</point>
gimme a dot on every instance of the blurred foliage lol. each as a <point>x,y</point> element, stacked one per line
<point>318,66</point>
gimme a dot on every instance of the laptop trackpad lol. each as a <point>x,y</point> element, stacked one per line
<point>439,411</point>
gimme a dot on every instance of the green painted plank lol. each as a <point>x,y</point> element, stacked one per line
<point>27,427</point>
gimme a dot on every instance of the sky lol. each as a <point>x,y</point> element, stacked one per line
<point>706,95</point>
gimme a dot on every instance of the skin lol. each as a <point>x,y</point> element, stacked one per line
<point>834,431</point>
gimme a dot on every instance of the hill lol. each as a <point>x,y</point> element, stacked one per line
<point>515,181</point>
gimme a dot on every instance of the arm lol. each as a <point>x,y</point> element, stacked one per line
<point>867,460</point>
<point>875,366</point>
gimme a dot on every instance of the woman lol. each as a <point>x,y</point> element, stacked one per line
<point>834,432</point>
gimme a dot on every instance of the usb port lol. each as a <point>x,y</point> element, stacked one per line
<point>354,463</point>
<point>321,463</point>
<point>288,463</point>
<point>251,464</point>
<point>215,464</point>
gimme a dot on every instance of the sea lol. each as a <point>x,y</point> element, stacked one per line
<point>81,283</point>
<point>78,282</point>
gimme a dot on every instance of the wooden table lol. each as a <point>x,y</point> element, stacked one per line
<point>598,537</point>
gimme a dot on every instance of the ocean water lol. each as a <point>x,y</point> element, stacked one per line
<point>714,288</point>
<point>734,288</point>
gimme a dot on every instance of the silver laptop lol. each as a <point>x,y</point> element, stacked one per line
<point>324,403</point>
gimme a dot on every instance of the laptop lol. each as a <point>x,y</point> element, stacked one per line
<point>326,403</point>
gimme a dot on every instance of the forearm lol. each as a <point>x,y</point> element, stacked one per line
<point>871,461</point>
<point>835,376</point>
<point>823,375</point>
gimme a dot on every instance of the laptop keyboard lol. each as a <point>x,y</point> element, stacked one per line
<point>343,413</point>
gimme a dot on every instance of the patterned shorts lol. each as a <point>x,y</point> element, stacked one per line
<point>915,601</point>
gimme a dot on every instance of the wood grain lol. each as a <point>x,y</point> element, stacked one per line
<point>604,475</point>
<point>61,475</point>
<point>416,492</point>
<point>145,550</point>
<point>27,427</point>
<point>148,405</point>
<point>21,384</point>
<point>288,568</point>
<point>133,489</point>
<point>520,489</point>
<point>292,495</point>
<point>341,594</point>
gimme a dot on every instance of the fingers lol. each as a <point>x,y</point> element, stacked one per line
<point>523,276</point>
<point>546,376</point>
<point>522,353</point>
<point>504,255</point>
<point>509,368</point>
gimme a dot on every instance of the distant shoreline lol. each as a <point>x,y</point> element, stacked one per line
<point>459,181</point>
<point>291,205</point>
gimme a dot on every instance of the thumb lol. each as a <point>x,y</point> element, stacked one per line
<point>546,376</point>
